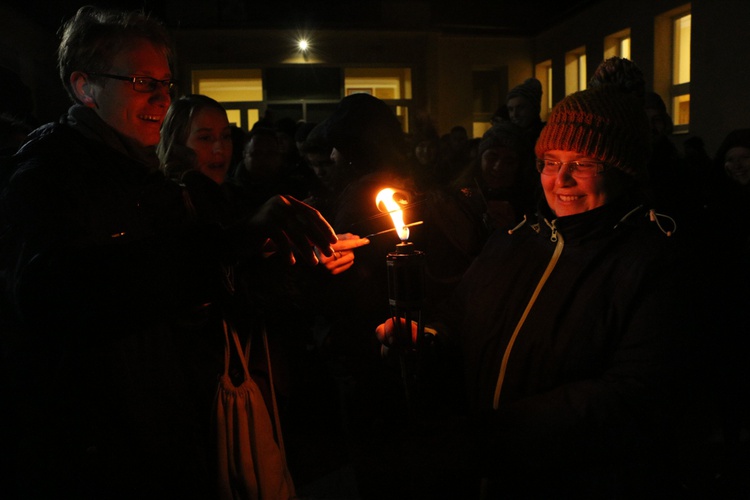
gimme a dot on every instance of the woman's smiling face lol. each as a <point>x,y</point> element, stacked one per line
<point>567,195</point>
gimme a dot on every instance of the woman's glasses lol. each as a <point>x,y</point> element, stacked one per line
<point>580,169</point>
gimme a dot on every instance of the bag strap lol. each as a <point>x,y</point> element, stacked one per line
<point>276,421</point>
<point>243,353</point>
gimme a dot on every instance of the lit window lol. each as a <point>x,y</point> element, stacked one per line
<point>234,116</point>
<point>543,73</point>
<point>681,50</point>
<point>253,115</point>
<point>672,63</point>
<point>383,83</point>
<point>681,71</point>
<point>617,45</point>
<point>240,91</point>
<point>681,110</point>
<point>575,70</point>
<point>229,85</point>
<point>582,72</point>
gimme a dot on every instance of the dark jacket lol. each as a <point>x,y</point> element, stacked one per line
<point>576,334</point>
<point>104,393</point>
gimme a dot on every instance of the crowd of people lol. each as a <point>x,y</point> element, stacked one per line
<point>585,290</point>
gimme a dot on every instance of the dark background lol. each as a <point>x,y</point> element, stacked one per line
<point>519,17</point>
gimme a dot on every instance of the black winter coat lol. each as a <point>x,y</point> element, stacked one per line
<point>107,400</point>
<point>576,336</point>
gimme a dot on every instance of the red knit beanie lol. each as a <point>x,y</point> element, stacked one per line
<point>603,123</point>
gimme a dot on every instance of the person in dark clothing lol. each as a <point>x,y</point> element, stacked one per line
<point>259,172</point>
<point>726,199</point>
<point>668,175</point>
<point>622,72</point>
<point>368,148</point>
<point>576,329</point>
<point>523,104</point>
<point>673,187</point>
<point>501,184</point>
<point>424,153</point>
<point>263,173</point>
<point>317,153</point>
<point>101,261</point>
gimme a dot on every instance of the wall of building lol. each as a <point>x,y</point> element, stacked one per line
<point>258,49</point>
<point>720,79</point>
<point>456,57</point>
<point>720,59</point>
<point>589,28</point>
<point>443,64</point>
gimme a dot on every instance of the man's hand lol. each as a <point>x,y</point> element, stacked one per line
<point>293,228</point>
<point>343,253</point>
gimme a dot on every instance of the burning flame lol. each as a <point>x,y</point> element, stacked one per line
<point>386,198</point>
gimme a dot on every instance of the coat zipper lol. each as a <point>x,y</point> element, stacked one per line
<point>559,243</point>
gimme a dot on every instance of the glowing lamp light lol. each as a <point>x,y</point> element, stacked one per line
<point>303,45</point>
<point>386,202</point>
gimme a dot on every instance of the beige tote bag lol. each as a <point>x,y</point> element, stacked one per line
<point>251,463</point>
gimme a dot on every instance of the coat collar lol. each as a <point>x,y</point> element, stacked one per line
<point>592,223</point>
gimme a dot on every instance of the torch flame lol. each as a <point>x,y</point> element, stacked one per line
<point>391,206</point>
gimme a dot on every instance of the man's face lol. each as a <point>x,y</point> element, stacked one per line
<point>521,111</point>
<point>263,156</point>
<point>323,167</point>
<point>426,152</point>
<point>656,123</point>
<point>499,166</point>
<point>136,115</point>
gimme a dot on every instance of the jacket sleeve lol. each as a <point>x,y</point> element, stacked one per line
<point>66,269</point>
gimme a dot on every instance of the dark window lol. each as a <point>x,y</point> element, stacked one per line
<point>303,82</point>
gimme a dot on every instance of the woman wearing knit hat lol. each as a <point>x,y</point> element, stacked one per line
<point>602,137</point>
<point>574,329</point>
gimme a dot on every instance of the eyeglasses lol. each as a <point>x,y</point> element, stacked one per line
<point>577,168</point>
<point>144,84</point>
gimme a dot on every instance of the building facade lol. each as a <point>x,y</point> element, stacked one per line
<point>454,77</point>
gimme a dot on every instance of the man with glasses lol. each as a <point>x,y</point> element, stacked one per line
<point>575,328</point>
<point>98,260</point>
